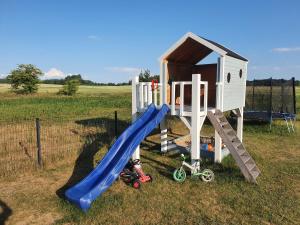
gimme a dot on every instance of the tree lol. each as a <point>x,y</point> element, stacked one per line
<point>70,87</point>
<point>146,76</point>
<point>25,79</point>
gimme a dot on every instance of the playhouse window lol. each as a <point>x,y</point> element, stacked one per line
<point>228,77</point>
<point>241,73</point>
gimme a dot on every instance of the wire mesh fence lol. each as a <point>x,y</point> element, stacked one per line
<point>61,143</point>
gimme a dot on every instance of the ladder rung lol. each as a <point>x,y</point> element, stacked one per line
<point>228,130</point>
<point>246,158</point>
<point>254,174</point>
<point>236,144</point>
<point>242,152</point>
<point>223,123</point>
<point>250,166</point>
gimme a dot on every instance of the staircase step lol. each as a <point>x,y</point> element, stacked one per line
<point>242,152</point>
<point>229,131</point>
<point>236,144</point>
<point>245,158</point>
<point>219,114</point>
<point>223,123</point>
<point>250,166</point>
<point>234,139</point>
<point>255,174</point>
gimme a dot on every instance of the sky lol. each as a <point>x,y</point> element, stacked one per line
<point>111,41</point>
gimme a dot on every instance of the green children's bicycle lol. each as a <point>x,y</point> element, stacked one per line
<point>179,174</point>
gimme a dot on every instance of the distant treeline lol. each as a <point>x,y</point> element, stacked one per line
<point>144,77</point>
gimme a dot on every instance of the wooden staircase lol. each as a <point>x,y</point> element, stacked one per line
<point>234,145</point>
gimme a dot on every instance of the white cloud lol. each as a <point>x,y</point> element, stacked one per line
<point>294,49</point>
<point>131,70</point>
<point>54,73</point>
<point>3,75</point>
<point>93,37</point>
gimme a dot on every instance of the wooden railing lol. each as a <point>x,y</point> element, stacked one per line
<point>147,94</point>
<point>186,110</point>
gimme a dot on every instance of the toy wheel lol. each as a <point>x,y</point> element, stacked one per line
<point>136,184</point>
<point>179,175</point>
<point>136,162</point>
<point>207,175</point>
<point>151,179</point>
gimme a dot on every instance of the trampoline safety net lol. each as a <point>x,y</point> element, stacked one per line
<point>270,96</point>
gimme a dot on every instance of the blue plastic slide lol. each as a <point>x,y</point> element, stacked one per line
<point>102,177</point>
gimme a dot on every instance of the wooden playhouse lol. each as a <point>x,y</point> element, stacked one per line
<point>195,91</point>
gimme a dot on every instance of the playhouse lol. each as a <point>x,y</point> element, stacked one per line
<point>190,91</point>
<point>194,91</point>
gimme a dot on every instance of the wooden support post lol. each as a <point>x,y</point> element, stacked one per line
<point>134,99</point>
<point>38,142</point>
<point>149,94</point>
<point>145,96</point>
<point>181,99</point>
<point>173,103</point>
<point>240,119</point>
<point>141,96</point>
<point>155,96</point>
<point>164,136</point>
<point>219,105</point>
<point>195,134</point>
<point>218,148</point>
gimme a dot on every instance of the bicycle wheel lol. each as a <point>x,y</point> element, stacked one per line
<point>207,175</point>
<point>179,175</point>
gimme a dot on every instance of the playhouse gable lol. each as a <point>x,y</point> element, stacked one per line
<point>191,49</point>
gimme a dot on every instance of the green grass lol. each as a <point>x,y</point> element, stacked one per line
<point>89,102</point>
<point>228,200</point>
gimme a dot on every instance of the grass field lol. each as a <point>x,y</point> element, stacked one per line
<point>32,198</point>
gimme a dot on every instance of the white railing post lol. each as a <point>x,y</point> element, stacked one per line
<point>205,97</point>
<point>181,106</point>
<point>155,95</point>
<point>196,122</point>
<point>145,95</point>
<point>173,99</point>
<point>134,101</point>
<point>141,95</point>
<point>149,93</point>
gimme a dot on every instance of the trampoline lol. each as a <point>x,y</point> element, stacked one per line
<point>271,99</point>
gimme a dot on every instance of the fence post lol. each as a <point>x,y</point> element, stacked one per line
<point>38,141</point>
<point>116,124</point>
<point>294,95</point>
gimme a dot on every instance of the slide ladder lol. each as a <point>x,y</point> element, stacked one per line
<point>234,145</point>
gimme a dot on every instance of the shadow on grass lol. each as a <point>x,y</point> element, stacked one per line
<point>162,168</point>
<point>84,163</point>
<point>5,212</point>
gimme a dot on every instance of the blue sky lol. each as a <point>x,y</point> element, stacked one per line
<point>110,41</point>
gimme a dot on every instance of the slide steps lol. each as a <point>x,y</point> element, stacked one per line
<point>234,145</point>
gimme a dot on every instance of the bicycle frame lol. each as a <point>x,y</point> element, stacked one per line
<point>185,164</point>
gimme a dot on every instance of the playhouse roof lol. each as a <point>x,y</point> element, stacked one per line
<point>192,48</point>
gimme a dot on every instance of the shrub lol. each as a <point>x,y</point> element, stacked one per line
<point>70,87</point>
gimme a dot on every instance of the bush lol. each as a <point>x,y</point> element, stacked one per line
<point>70,87</point>
<point>25,78</point>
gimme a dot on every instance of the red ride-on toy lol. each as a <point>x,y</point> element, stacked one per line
<point>134,175</point>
